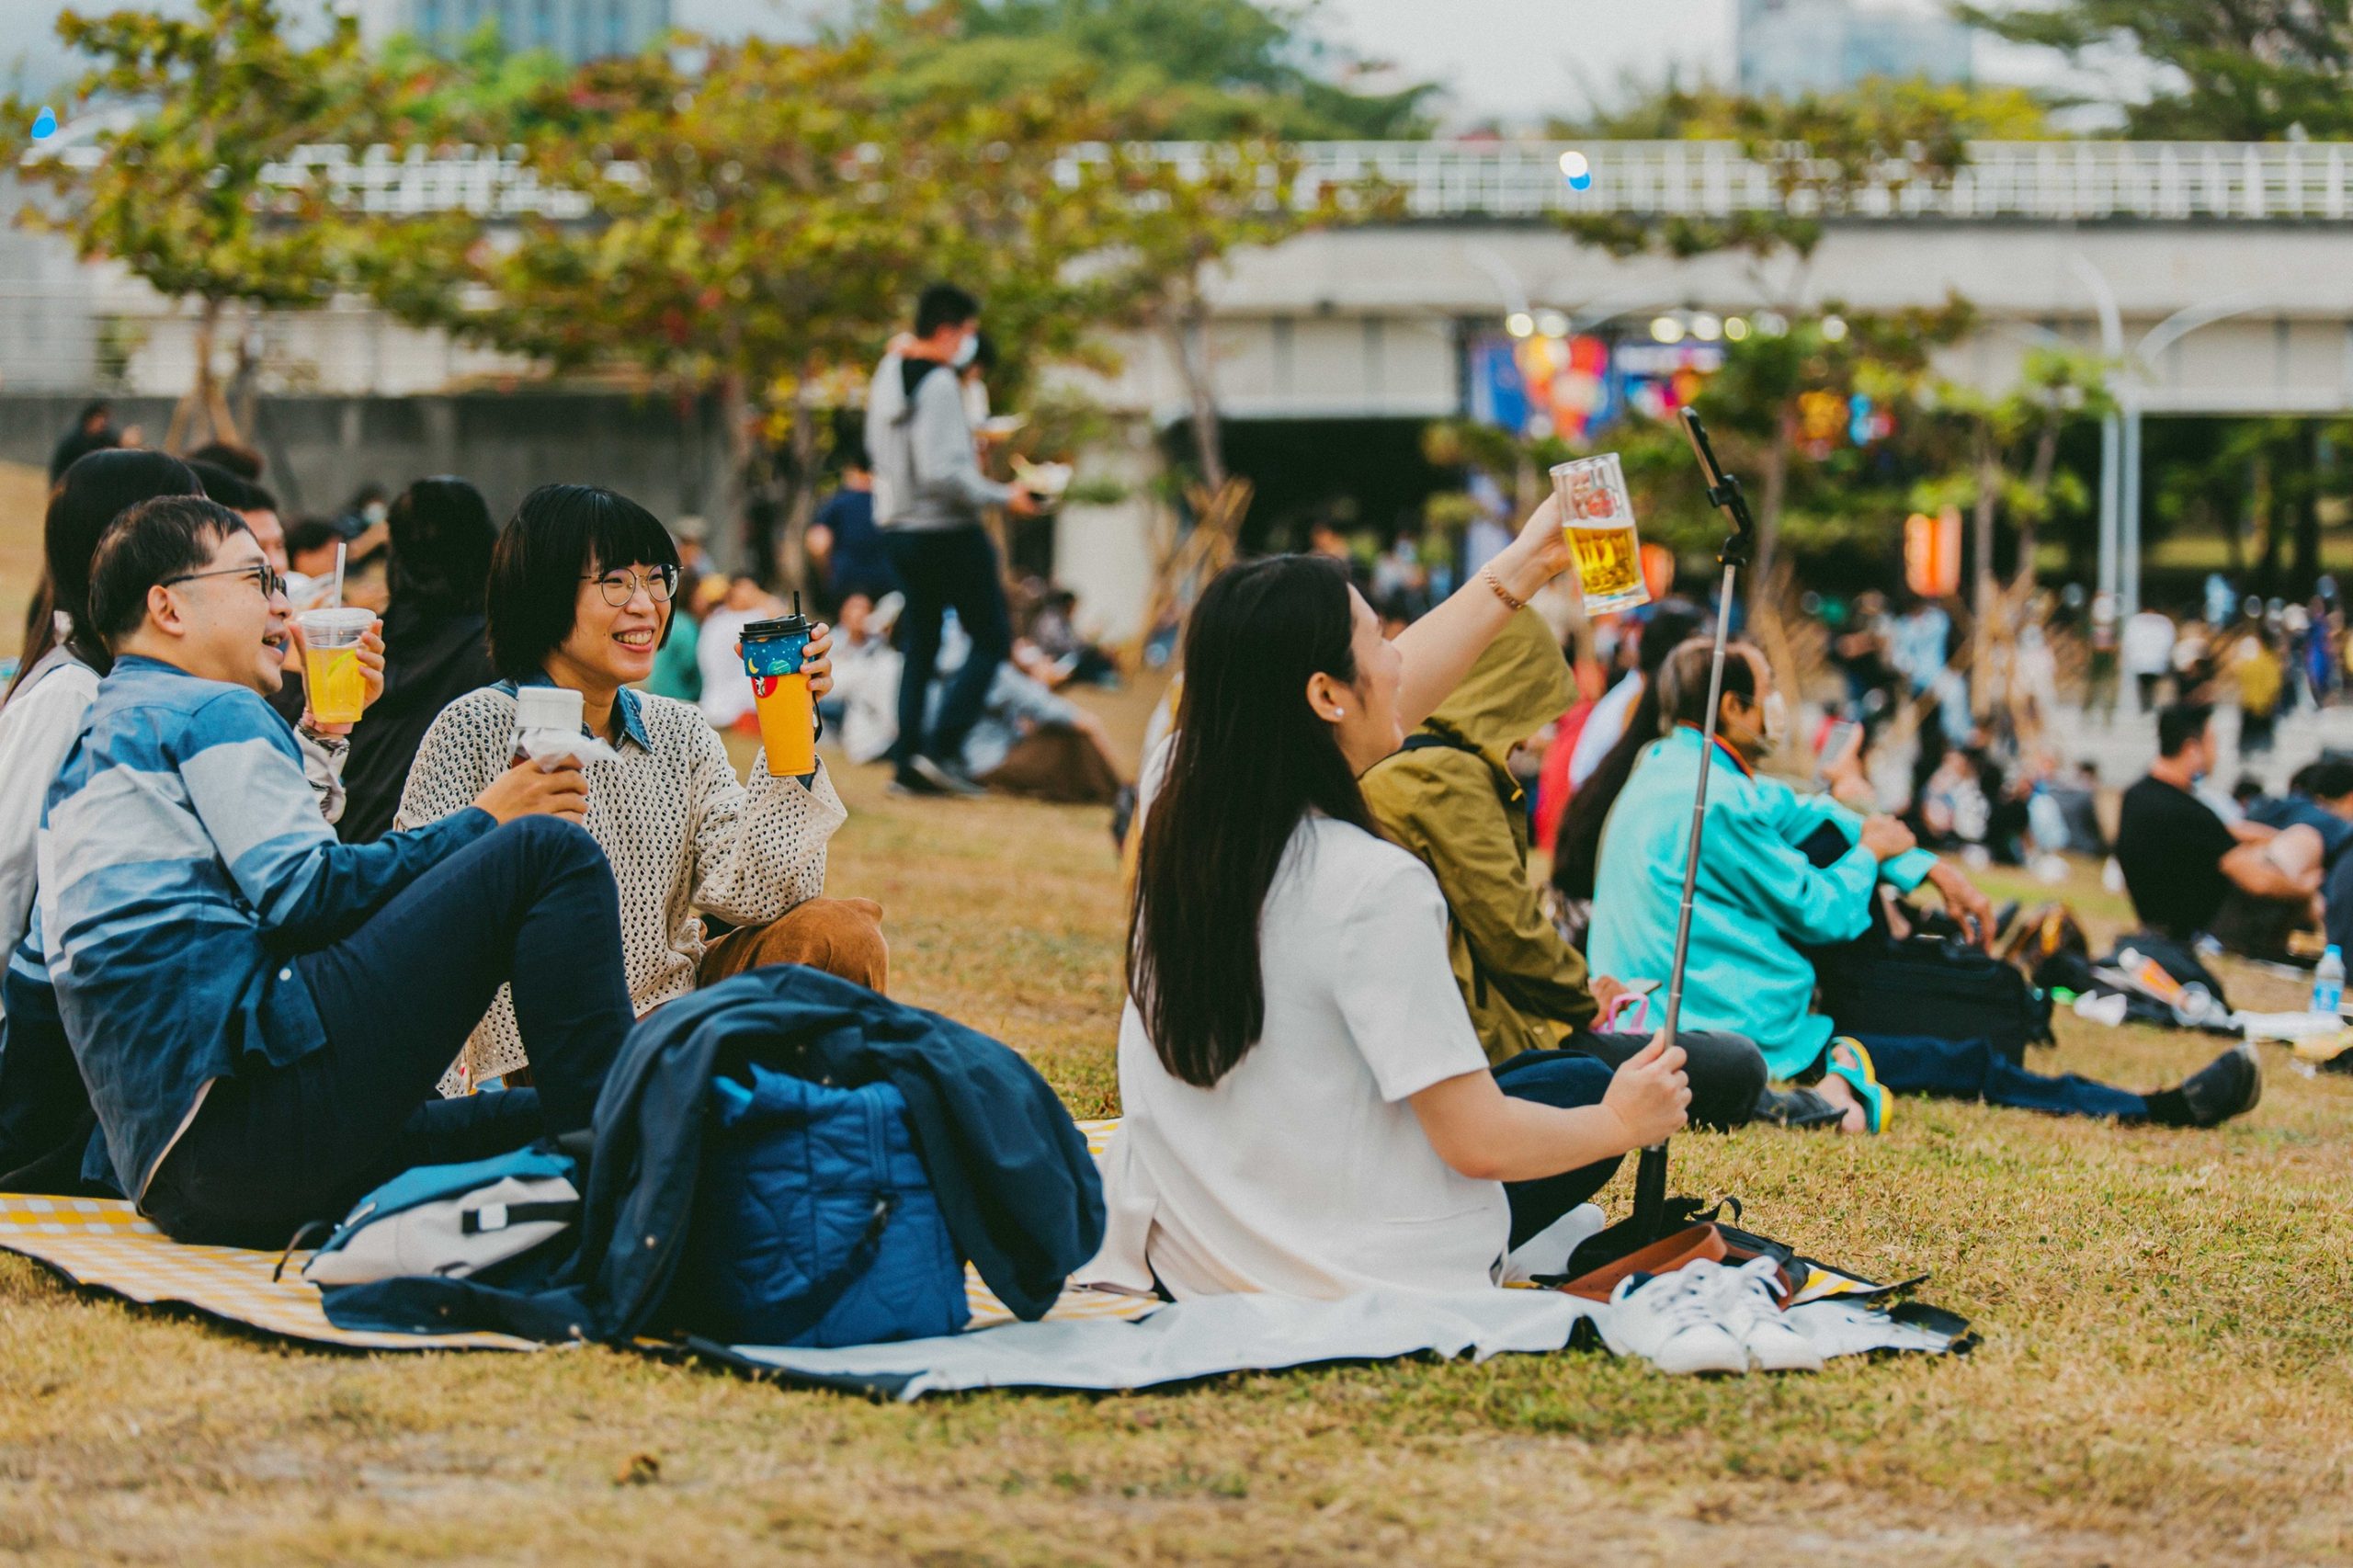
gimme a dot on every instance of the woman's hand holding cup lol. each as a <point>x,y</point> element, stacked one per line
<point>1648,1094</point>
<point>525,790</point>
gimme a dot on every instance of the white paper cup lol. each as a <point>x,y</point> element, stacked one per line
<point>548,708</point>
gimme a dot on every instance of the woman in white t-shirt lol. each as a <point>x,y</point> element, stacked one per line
<point>1307,1109</point>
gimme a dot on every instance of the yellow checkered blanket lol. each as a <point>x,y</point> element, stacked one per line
<point>104,1245</point>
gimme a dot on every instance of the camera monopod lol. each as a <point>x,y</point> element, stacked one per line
<point>1724,493</point>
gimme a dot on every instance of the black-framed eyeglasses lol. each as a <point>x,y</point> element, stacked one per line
<point>267,578</point>
<point>619,587</point>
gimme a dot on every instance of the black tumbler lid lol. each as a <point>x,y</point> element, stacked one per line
<point>793,625</point>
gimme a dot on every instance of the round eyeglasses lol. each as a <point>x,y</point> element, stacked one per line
<point>619,587</point>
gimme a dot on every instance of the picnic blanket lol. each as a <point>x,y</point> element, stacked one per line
<point>1091,1340</point>
<point>103,1244</point>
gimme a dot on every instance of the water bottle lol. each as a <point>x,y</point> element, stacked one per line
<point>2328,981</point>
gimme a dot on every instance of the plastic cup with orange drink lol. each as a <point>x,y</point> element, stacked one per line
<point>773,651</point>
<point>1599,520</point>
<point>339,688</point>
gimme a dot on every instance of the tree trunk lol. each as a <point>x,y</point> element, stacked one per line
<point>197,402</point>
<point>730,509</point>
<point>243,390</point>
<point>2046,461</point>
<point>2308,512</point>
<point>2265,516</point>
<point>1768,502</point>
<point>1185,326</point>
<point>1981,545</point>
<point>802,504</point>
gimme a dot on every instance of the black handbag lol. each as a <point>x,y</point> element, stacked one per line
<point>1940,986</point>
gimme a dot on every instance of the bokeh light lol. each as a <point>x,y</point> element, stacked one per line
<point>1576,170</point>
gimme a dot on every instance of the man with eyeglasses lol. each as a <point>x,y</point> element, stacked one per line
<point>259,1012</point>
<point>717,873</point>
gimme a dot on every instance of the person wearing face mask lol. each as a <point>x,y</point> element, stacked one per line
<point>1308,1110</point>
<point>2188,872</point>
<point>929,495</point>
<point>1766,893</point>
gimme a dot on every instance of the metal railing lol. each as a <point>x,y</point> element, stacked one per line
<point>2034,181</point>
<point>2043,181</point>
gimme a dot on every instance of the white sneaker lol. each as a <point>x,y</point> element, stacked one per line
<point>1745,1303</point>
<point>1670,1320</point>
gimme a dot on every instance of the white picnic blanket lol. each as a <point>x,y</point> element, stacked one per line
<point>1209,1335</point>
<point>1199,1338</point>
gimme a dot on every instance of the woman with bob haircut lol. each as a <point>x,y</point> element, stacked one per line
<point>1308,1110</point>
<point>581,589</point>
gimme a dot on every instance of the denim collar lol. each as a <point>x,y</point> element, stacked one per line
<point>625,703</point>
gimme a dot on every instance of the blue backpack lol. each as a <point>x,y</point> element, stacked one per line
<point>815,1222</point>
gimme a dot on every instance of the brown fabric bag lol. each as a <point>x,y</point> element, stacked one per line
<point>1667,1254</point>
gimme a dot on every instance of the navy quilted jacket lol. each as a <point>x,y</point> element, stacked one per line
<point>1015,1182</point>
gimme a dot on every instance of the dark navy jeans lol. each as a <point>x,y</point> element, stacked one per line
<point>1554,1078</point>
<point>1973,1070</point>
<point>947,569</point>
<point>272,1149</point>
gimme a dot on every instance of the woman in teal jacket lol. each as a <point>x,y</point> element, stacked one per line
<point>1761,899</point>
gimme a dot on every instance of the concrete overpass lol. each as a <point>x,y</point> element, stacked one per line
<point>2218,278</point>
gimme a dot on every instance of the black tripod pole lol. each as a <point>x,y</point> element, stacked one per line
<point>1723,492</point>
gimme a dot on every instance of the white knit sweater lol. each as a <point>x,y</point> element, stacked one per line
<point>681,830</point>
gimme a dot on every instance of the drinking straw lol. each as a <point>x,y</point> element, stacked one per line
<point>341,549</point>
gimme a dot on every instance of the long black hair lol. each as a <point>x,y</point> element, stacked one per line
<point>1669,699</point>
<point>1250,760</point>
<point>442,537</point>
<point>97,488</point>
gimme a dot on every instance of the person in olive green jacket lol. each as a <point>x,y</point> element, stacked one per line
<point>1450,800</point>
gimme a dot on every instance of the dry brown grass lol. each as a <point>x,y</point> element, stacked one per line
<point>2165,1375</point>
<point>24,493</point>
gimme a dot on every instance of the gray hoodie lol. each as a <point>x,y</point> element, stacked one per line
<point>927,476</point>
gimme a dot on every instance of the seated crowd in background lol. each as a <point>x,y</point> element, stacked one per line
<point>1785,875</point>
<point>321,954</point>
<point>2191,874</point>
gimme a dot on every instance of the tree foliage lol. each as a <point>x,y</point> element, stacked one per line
<point>1207,70</point>
<point>1821,151</point>
<point>2246,71</point>
<point>183,191</point>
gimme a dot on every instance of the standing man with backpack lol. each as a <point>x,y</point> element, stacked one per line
<point>929,496</point>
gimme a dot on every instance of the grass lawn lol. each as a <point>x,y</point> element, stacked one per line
<point>2166,1375</point>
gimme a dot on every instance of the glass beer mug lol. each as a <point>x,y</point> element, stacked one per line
<point>1600,522</point>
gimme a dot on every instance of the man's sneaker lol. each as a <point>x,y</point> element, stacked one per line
<point>2231,1085</point>
<point>943,779</point>
<point>1670,1320</point>
<point>1745,1304</point>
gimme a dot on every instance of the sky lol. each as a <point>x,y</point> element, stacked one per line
<point>1513,61</point>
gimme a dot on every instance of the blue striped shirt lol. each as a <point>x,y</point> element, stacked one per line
<point>183,864</point>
